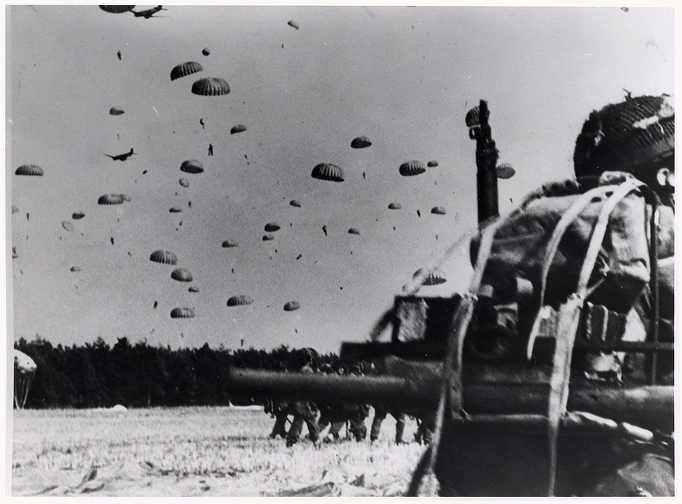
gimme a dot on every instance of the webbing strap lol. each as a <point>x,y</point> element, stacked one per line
<point>550,251</point>
<point>567,328</point>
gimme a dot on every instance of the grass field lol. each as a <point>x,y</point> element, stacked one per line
<point>196,452</point>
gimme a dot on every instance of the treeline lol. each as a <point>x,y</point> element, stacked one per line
<point>99,376</point>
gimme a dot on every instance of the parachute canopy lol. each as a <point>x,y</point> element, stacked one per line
<point>192,166</point>
<point>112,199</point>
<point>360,142</point>
<point>116,111</point>
<point>181,275</point>
<point>184,182</point>
<point>268,237</point>
<point>31,170</point>
<point>77,215</point>
<point>184,69</point>
<point>295,203</point>
<point>182,313</point>
<point>67,225</point>
<point>292,305</point>
<point>328,171</point>
<point>472,118</point>
<point>163,257</point>
<point>23,362</point>
<point>237,129</point>
<point>240,300</point>
<point>433,277</point>
<point>505,171</point>
<point>394,206</point>
<point>14,253</point>
<point>211,86</point>
<point>116,9</point>
<point>432,164</point>
<point>193,289</point>
<point>230,244</point>
<point>411,168</point>
<point>293,24</point>
<point>354,231</point>
<point>438,210</point>
<point>75,269</point>
<point>206,51</point>
<point>15,209</point>
<point>175,209</point>
<point>271,227</point>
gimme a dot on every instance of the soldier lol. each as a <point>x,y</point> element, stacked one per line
<point>379,416</point>
<point>357,413</point>
<point>304,412</point>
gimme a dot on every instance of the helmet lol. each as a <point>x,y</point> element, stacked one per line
<point>635,136</point>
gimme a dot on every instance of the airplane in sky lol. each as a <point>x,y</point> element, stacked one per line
<point>121,157</point>
<point>149,12</point>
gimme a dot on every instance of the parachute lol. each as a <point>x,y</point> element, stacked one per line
<point>184,182</point>
<point>268,237</point>
<point>327,171</point>
<point>14,253</point>
<point>175,209</point>
<point>354,231</point>
<point>182,313</point>
<point>293,24</point>
<point>77,215</point>
<point>230,244</point>
<point>193,289</point>
<point>116,111</point>
<point>360,142</point>
<point>432,164</point>
<point>240,300</point>
<point>433,277</point>
<point>181,275</point>
<point>75,269</point>
<point>271,227</point>
<point>163,257</point>
<point>192,166</point>
<point>411,168</point>
<point>295,203</point>
<point>15,209</point>
<point>185,69</point>
<point>211,86</point>
<point>438,210</point>
<point>31,170</point>
<point>112,199</point>
<point>472,118</point>
<point>237,129</point>
<point>67,225</point>
<point>505,171</point>
<point>206,51</point>
<point>292,305</point>
<point>24,369</point>
<point>116,9</point>
<point>394,206</point>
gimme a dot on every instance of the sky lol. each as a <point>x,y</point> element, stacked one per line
<point>405,77</point>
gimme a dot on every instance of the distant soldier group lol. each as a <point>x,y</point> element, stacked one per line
<point>337,415</point>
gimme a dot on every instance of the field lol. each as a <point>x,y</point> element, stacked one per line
<point>195,452</point>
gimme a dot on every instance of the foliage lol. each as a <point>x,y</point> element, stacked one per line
<point>97,375</point>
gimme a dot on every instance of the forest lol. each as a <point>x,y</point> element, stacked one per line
<point>97,375</point>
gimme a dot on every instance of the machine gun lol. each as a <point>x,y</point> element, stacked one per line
<point>513,418</point>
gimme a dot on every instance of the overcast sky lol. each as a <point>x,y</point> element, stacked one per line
<point>404,77</point>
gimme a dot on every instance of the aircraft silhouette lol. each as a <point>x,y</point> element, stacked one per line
<point>121,157</point>
<point>149,12</point>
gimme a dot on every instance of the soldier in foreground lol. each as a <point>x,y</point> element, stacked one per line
<point>600,456</point>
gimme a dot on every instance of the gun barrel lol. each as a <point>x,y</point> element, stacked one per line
<point>651,407</point>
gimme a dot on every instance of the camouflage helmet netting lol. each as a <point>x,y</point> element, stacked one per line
<point>626,136</point>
